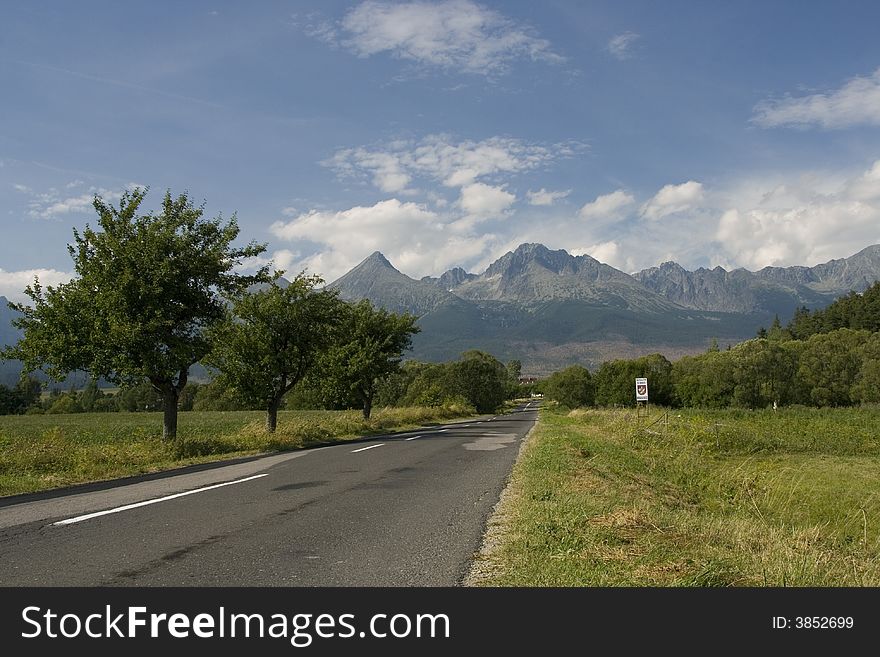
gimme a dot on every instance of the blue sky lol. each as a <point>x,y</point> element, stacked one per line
<point>444,134</point>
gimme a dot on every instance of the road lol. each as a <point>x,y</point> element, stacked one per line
<point>401,510</point>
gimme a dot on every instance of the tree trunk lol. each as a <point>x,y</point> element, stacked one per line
<point>368,407</point>
<point>170,397</point>
<point>272,416</point>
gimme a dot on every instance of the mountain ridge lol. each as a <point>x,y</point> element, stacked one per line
<point>534,303</point>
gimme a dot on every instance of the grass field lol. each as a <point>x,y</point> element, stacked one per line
<point>692,498</point>
<point>39,452</point>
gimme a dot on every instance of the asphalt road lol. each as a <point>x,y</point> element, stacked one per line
<point>402,510</point>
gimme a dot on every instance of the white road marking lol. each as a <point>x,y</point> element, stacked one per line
<point>442,430</point>
<point>413,438</point>
<point>364,449</point>
<point>89,516</point>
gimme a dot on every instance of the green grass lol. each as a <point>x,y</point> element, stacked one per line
<point>695,498</point>
<point>39,452</point>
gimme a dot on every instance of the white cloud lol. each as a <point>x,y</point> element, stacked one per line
<point>856,103</point>
<point>620,45</point>
<point>544,197</point>
<point>482,201</point>
<point>607,206</point>
<point>813,227</point>
<point>456,35</point>
<point>51,204</point>
<point>350,235</point>
<point>607,252</point>
<point>24,189</point>
<point>673,198</point>
<point>13,283</point>
<point>440,158</point>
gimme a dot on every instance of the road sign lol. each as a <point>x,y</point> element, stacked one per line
<point>642,390</point>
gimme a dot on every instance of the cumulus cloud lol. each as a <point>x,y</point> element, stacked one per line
<point>855,103</point>
<point>350,235</point>
<point>673,198</point>
<point>607,252</point>
<point>482,201</point>
<point>607,206</point>
<point>621,45</point>
<point>813,227</point>
<point>544,197</point>
<point>457,35</point>
<point>13,283</point>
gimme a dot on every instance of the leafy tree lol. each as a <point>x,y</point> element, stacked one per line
<point>147,288</point>
<point>217,396</point>
<point>272,338</point>
<point>188,396</point>
<point>514,370</point>
<point>866,388</point>
<point>572,387</point>
<point>481,379</point>
<point>24,395</point>
<point>142,397</point>
<point>66,403</point>
<point>90,394</point>
<point>392,389</point>
<point>830,364</point>
<point>615,381</point>
<point>371,344</point>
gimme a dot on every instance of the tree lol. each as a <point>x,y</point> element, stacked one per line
<point>481,379</point>
<point>830,364</point>
<point>271,338</point>
<point>572,387</point>
<point>90,394</point>
<point>371,345</point>
<point>146,289</point>
<point>615,381</point>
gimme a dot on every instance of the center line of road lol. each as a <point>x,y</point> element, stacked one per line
<point>89,516</point>
<point>364,449</point>
<point>413,438</point>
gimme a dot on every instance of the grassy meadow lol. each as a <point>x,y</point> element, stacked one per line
<point>39,452</point>
<point>692,498</point>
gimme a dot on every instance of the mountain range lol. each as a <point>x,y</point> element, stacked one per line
<point>549,308</point>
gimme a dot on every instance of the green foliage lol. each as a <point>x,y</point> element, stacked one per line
<point>830,364</point>
<point>142,397</point>
<point>216,396</point>
<point>146,288</point>
<point>66,403</point>
<point>853,311</point>
<point>89,396</point>
<point>272,338</point>
<point>372,342</point>
<point>17,400</point>
<point>477,378</point>
<point>188,396</point>
<point>615,381</point>
<point>573,387</point>
<point>705,381</point>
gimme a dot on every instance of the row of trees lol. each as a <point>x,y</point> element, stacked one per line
<point>156,293</point>
<point>838,368</point>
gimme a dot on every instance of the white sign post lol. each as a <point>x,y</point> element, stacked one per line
<point>641,390</point>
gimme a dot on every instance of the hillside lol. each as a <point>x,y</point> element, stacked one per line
<point>549,308</point>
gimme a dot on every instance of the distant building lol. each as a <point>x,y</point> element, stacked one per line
<point>523,380</point>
